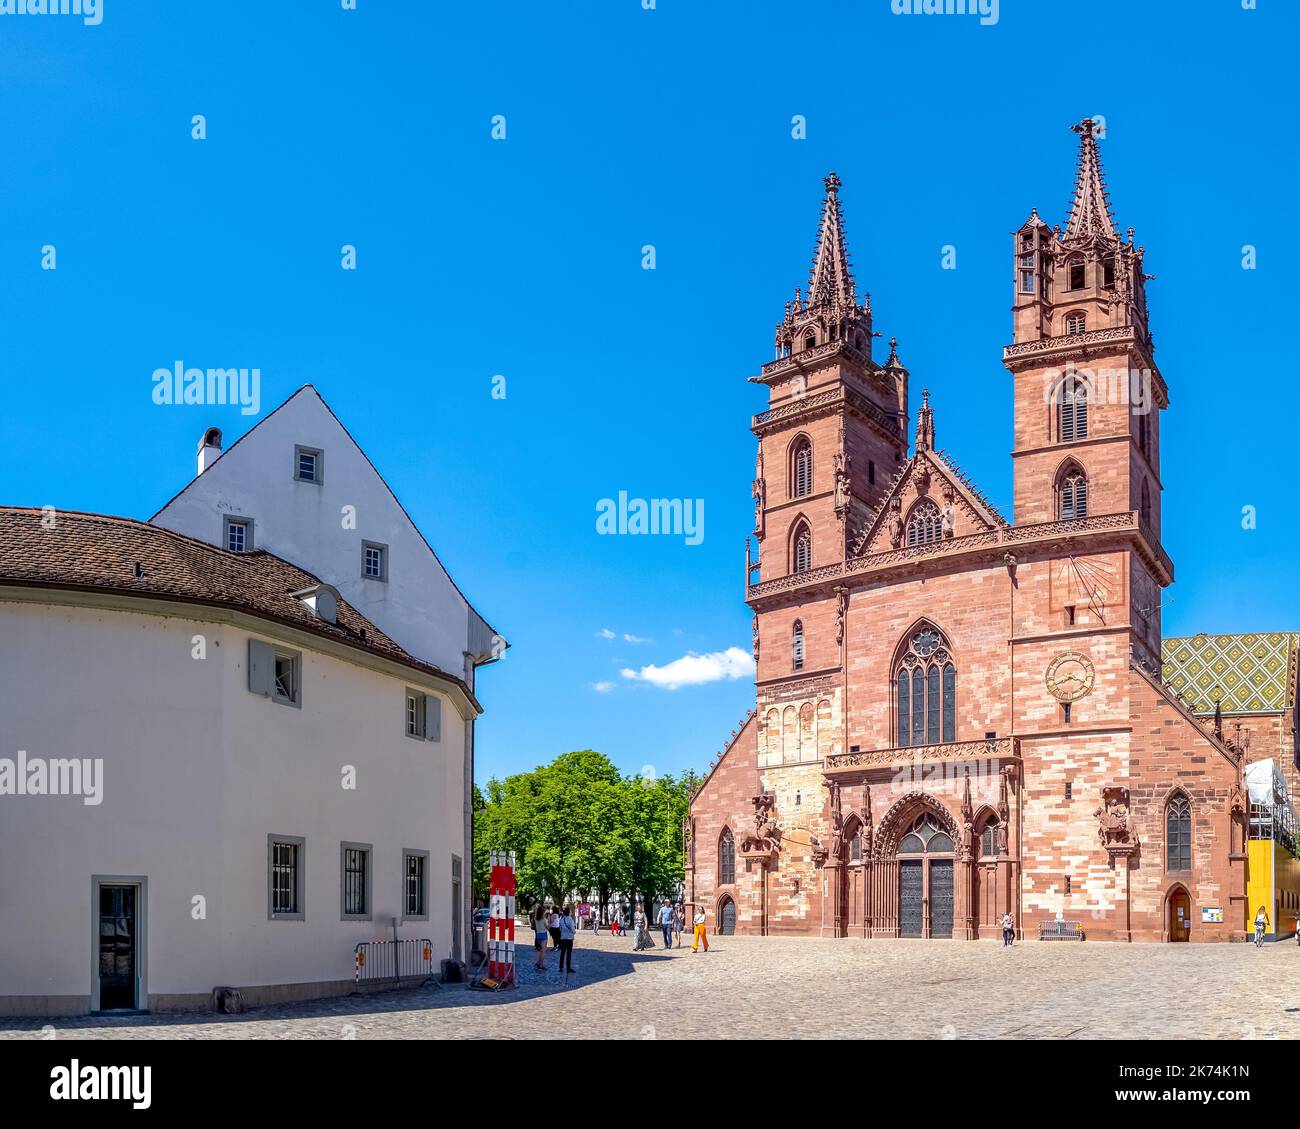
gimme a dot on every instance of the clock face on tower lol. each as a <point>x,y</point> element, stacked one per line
<point>1070,676</point>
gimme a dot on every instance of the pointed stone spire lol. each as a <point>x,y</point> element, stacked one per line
<point>1090,209</point>
<point>831,281</point>
<point>925,424</point>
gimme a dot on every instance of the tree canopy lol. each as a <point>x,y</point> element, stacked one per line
<point>578,826</point>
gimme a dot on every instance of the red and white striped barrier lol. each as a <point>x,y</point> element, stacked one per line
<point>501,919</point>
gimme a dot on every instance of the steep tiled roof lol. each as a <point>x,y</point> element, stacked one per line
<point>1245,673</point>
<point>98,553</point>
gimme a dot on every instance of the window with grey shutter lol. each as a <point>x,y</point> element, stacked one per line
<point>261,667</point>
<point>433,717</point>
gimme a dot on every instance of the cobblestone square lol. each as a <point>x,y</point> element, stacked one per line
<point>748,987</point>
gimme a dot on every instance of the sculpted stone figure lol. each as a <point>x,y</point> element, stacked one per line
<point>895,525</point>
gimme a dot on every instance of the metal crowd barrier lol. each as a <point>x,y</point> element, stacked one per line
<point>392,960</point>
<point>1060,930</point>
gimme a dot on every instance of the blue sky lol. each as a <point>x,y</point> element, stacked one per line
<point>522,257</point>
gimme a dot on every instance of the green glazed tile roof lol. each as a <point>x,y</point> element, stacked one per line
<point>1245,673</point>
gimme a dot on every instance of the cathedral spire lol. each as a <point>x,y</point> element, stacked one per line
<point>925,424</point>
<point>1090,208</point>
<point>831,281</point>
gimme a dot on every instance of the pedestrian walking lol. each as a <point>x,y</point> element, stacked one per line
<point>553,926</point>
<point>1008,929</point>
<point>641,923</point>
<point>539,937</point>
<point>666,923</point>
<point>679,919</point>
<point>700,933</point>
<point>568,928</point>
<point>1261,927</point>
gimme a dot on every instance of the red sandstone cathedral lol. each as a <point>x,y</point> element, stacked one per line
<point>960,715</point>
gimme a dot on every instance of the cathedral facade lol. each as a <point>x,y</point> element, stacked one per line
<point>961,715</point>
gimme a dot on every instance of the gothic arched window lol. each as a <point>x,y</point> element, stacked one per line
<point>926,689</point>
<point>726,858</point>
<point>990,842</point>
<point>801,469</point>
<point>809,342</point>
<point>796,645</point>
<point>1178,832</point>
<point>855,847</point>
<point>801,554</point>
<point>1075,324</point>
<point>1072,406</point>
<point>1075,272</point>
<point>1073,493</point>
<point>924,523</point>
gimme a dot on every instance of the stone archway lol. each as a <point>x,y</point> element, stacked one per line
<point>919,874</point>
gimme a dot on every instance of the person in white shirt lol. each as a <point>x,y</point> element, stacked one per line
<point>700,934</point>
<point>568,927</point>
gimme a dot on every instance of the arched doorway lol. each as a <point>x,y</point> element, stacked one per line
<point>925,890</point>
<point>1180,915</point>
<point>726,917</point>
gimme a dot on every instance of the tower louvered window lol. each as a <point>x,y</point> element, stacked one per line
<point>797,645</point>
<point>926,690</point>
<point>1074,495</point>
<point>802,550</point>
<point>1075,324</point>
<point>801,472</point>
<point>1073,407</point>
<point>924,524</point>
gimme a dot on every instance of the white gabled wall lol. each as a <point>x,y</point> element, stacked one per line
<point>418,605</point>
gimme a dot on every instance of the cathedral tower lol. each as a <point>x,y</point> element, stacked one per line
<point>1088,393</point>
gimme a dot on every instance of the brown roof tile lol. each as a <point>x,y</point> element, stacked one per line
<point>99,553</point>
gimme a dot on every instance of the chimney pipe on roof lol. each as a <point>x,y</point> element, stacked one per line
<point>209,448</point>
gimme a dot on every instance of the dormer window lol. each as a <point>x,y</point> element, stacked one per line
<point>308,464</point>
<point>322,600</point>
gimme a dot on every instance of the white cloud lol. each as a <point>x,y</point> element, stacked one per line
<point>635,639</point>
<point>695,670</point>
<point>602,687</point>
<point>606,633</point>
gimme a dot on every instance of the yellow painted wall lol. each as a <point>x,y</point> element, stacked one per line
<point>1272,881</point>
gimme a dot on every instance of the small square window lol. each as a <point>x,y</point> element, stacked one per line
<point>308,464</point>
<point>374,561</point>
<point>238,534</point>
<point>285,686</point>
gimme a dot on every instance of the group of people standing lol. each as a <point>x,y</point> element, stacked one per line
<point>672,920</point>
<point>555,927</point>
<point>560,927</point>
